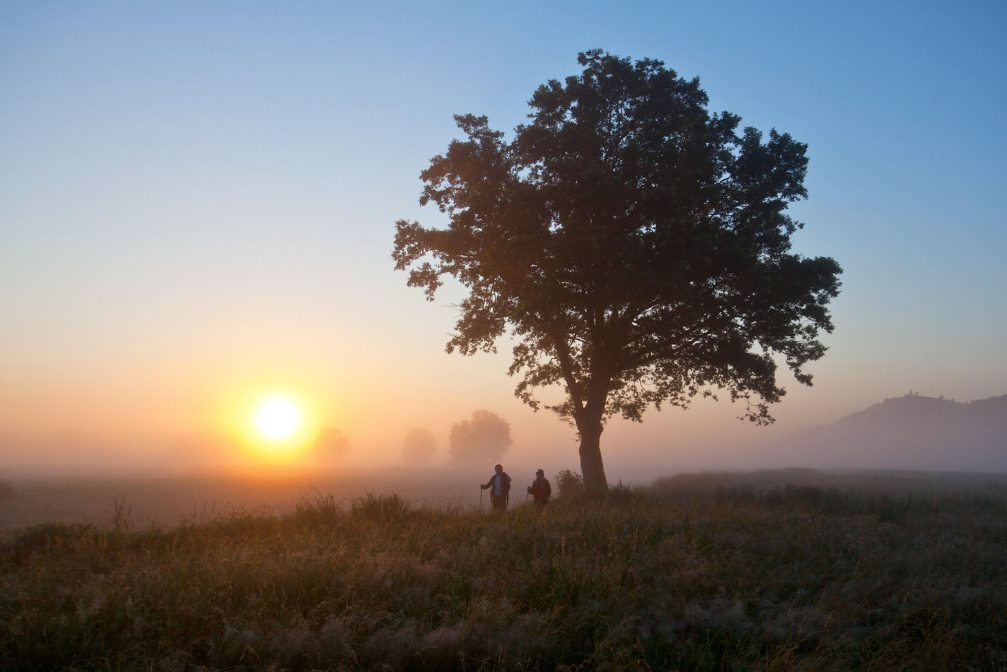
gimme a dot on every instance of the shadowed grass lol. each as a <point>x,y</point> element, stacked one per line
<point>762,578</point>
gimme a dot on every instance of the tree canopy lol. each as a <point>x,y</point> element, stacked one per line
<point>636,246</point>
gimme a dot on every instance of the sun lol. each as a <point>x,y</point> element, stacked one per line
<point>277,419</point>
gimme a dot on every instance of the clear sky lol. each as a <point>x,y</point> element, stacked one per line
<point>197,206</point>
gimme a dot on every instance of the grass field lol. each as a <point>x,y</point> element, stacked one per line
<point>773,571</point>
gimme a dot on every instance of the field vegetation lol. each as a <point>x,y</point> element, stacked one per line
<point>773,571</point>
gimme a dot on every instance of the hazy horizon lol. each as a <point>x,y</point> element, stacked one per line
<point>752,448</point>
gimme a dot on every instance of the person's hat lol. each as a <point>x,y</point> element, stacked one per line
<point>499,466</point>
<point>540,472</point>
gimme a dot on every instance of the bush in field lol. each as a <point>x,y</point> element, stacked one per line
<point>569,484</point>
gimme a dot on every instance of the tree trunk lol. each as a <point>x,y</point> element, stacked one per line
<point>591,465</point>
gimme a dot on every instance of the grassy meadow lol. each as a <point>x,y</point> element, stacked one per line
<point>770,571</point>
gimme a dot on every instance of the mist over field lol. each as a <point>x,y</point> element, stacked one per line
<point>914,435</point>
<point>913,431</point>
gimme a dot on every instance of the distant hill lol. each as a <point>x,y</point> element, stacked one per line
<point>911,432</point>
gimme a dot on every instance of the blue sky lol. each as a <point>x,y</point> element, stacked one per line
<point>200,196</point>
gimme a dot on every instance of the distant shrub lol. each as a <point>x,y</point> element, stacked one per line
<point>569,484</point>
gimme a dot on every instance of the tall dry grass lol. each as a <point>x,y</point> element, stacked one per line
<point>779,577</point>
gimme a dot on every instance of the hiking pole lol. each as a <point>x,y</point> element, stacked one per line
<point>480,499</point>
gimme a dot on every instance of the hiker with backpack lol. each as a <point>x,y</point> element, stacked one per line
<point>499,487</point>
<point>540,490</point>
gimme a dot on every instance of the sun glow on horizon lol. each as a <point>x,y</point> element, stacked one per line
<point>275,426</point>
<point>277,418</point>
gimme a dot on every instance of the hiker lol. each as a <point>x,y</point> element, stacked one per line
<point>499,487</point>
<point>540,490</point>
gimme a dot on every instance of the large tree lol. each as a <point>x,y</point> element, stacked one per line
<point>634,245</point>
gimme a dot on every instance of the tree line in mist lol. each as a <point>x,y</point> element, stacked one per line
<point>483,437</point>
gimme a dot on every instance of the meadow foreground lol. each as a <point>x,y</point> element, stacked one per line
<point>675,577</point>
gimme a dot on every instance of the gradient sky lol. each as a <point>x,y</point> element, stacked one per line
<point>197,203</point>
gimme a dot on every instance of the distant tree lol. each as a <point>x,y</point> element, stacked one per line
<point>331,444</point>
<point>635,246</point>
<point>486,437</point>
<point>418,445</point>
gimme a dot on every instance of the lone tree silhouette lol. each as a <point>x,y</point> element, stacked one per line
<point>634,245</point>
<point>485,437</point>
